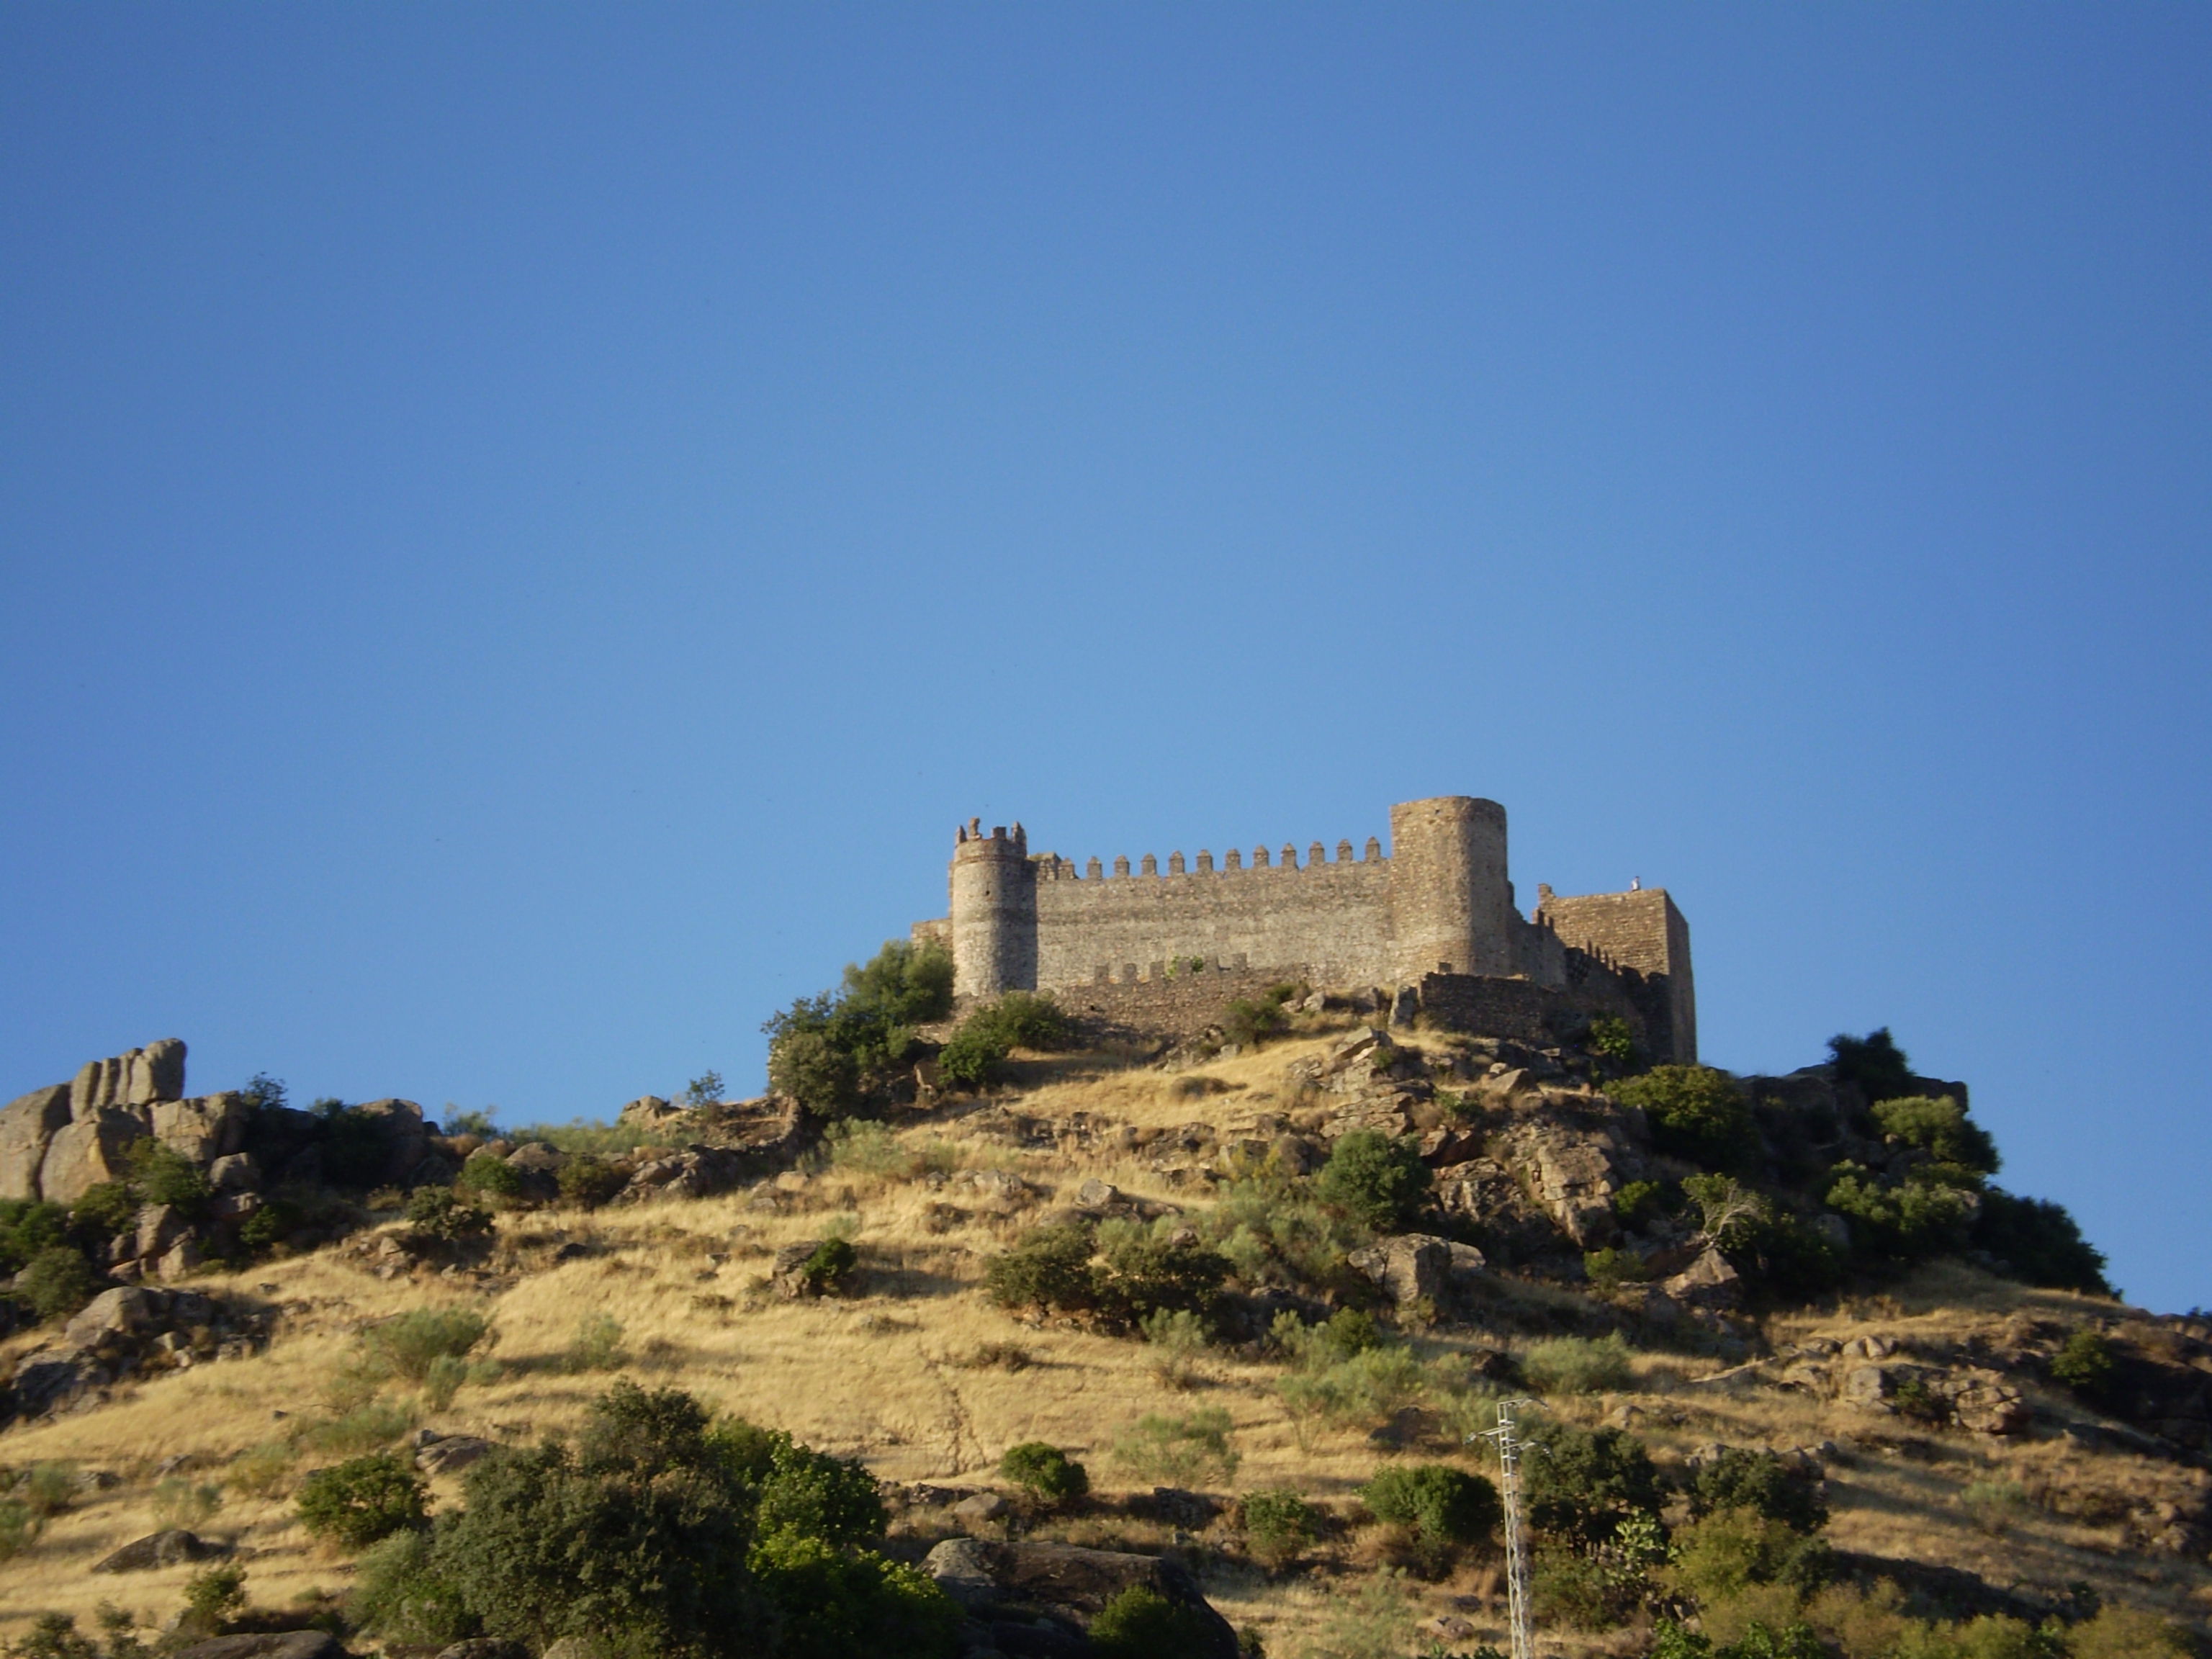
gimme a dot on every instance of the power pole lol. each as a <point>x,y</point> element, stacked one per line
<point>1516,1551</point>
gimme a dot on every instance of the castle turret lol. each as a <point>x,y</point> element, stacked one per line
<point>994,933</point>
<point>1450,909</point>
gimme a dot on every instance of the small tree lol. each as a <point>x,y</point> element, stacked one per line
<point>1279,1525</point>
<point>1440,1507</point>
<point>439,1212</point>
<point>1045,1472</point>
<point>2084,1365</point>
<point>1696,1113</point>
<point>705,1090</point>
<point>57,1282</point>
<point>1874,1062</point>
<point>1376,1180</point>
<point>362,1499</point>
<point>1140,1623</point>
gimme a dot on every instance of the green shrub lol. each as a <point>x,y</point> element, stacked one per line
<point>408,1345</point>
<point>849,1050</point>
<point>178,1502</point>
<point>1375,1179</point>
<point>1578,1591</point>
<point>478,1122</point>
<point>47,1489</point>
<point>1874,1062</point>
<point>1279,1524</point>
<point>261,1471</point>
<point>362,1428</point>
<point>1365,1389</point>
<point>1741,1479</point>
<point>1048,1267</point>
<point>1140,1623</point>
<point>56,1282</point>
<point>488,1176</point>
<point>1375,1621</point>
<point>162,1174</point>
<point>974,1057</point>
<point>1251,1021</point>
<point>362,1499</point>
<point>214,1598</point>
<point>1994,1505</point>
<point>1731,1550</point>
<point>108,1209</point>
<point>19,1527</point>
<point>2119,1633</point>
<point>1179,1451</point>
<point>705,1090</point>
<point>2037,1242</point>
<point>581,1137</point>
<point>276,1220</point>
<point>1758,1641</point>
<point>864,1146</point>
<point>1609,1269</point>
<point>1144,1270</point>
<point>1177,1337</point>
<point>833,1259</point>
<point>1959,1150</point>
<point>597,1345</point>
<point>663,1536</point>
<point>400,1594</point>
<point>1640,1202</point>
<point>1695,1112</point>
<point>1444,1508</point>
<point>1583,1484</point>
<point>2084,1365</point>
<point>1045,1472</point>
<point>439,1213</point>
<point>442,1380</point>
<point>588,1181</point>
<point>1610,1039</point>
<point>1577,1364</point>
<point>28,1226</point>
<point>1904,1224</point>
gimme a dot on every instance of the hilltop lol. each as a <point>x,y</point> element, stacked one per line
<point>1799,1364</point>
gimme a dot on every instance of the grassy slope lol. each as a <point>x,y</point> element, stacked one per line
<point>886,1374</point>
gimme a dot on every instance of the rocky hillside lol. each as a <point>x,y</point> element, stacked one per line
<point>1805,1379</point>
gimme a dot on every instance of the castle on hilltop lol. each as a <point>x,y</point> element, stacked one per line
<point>1432,925</point>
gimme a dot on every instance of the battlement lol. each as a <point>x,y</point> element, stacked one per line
<point>1437,907</point>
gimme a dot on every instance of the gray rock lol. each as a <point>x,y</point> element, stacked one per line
<point>571,1647</point>
<point>93,1148</point>
<point>161,1230</point>
<point>237,1172</point>
<point>484,1647</point>
<point>203,1129</point>
<point>983,1506</point>
<point>123,1312</point>
<point>161,1549</point>
<point>1708,1284</point>
<point>449,1454</point>
<point>47,1383</point>
<point>285,1644</point>
<point>27,1125</point>
<point>1411,1266</point>
<point>1404,1005</point>
<point>979,1573</point>
<point>139,1077</point>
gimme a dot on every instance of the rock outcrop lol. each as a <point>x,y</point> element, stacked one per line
<point>1028,1598</point>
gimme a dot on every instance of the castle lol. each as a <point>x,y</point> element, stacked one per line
<point>1432,925</point>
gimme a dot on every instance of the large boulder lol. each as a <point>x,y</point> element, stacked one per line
<point>1413,1267</point>
<point>161,1549</point>
<point>206,1129</point>
<point>282,1644</point>
<point>138,1077</point>
<point>94,1148</point>
<point>987,1577</point>
<point>405,1138</point>
<point>657,1116</point>
<point>27,1125</point>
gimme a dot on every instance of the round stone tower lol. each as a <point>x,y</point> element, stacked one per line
<point>994,942</point>
<point>1451,909</point>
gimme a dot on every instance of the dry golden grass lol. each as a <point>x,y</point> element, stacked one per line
<point>887,1374</point>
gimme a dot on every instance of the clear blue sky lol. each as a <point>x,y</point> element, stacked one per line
<point>525,527</point>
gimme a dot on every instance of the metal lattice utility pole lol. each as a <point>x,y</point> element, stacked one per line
<point>1516,1551</point>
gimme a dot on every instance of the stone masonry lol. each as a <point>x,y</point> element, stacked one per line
<point>1435,918</point>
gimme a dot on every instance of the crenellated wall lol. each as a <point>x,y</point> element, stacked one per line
<point>1438,908</point>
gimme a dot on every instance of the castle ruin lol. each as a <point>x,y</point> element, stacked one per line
<point>1432,925</point>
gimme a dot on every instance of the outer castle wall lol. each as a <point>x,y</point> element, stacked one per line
<point>1436,914</point>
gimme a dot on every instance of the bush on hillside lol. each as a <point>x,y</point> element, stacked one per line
<point>1278,1525</point>
<point>355,1503</point>
<point>161,1175</point>
<point>27,1227</point>
<point>487,1176</point>
<point>410,1344</point>
<point>1741,1479</point>
<point>1610,1039</point>
<point>351,1142</point>
<point>1144,1270</point>
<point>1900,1223</point>
<point>2084,1365</point>
<point>847,1051</point>
<point>977,1052</point>
<point>588,1181</point>
<point>440,1213</point>
<point>1376,1180</point>
<point>1874,1062</point>
<point>1695,1112</point>
<point>1731,1550</point>
<point>665,1534</point>
<point>1044,1472</point>
<point>1140,1623</point>
<point>1179,1451</point>
<point>1577,1364</point>
<point>1250,1021</point>
<point>2037,1242</point>
<point>1960,1150</point>
<point>56,1282</point>
<point>1583,1484</point>
<point>1441,1509</point>
<point>1048,1267</point>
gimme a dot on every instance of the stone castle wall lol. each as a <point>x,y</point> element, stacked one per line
<point>1439,907</point>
